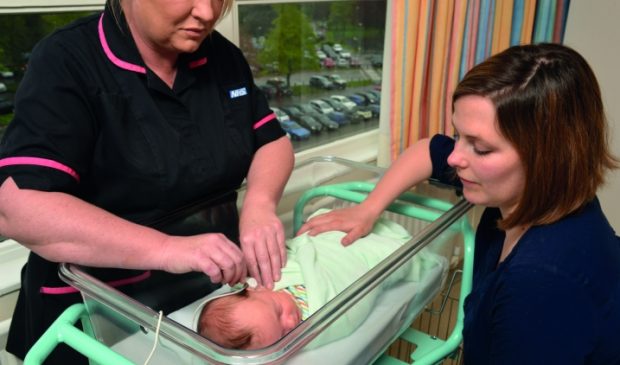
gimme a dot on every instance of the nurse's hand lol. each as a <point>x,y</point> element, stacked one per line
<point>263,244</point>
<point>355,221</point>
<point>210,253</point>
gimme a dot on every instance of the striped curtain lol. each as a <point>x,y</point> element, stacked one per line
<point>435,42</point>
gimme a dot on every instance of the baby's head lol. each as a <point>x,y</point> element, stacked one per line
<point>251,319</point>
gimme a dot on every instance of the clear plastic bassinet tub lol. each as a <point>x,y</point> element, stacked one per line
<point>121,330</point>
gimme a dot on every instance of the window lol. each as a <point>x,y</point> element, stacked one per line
<point>287,44</point>
<point>317,52</point>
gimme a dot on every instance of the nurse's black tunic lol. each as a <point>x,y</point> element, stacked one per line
<point>93,121</point>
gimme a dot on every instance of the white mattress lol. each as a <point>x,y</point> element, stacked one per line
<point>394,311</point>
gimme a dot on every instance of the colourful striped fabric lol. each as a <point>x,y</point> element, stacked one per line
<point>435,42</point>
<point>300,295</point>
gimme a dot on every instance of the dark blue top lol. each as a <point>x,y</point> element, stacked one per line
<point>554,300</point>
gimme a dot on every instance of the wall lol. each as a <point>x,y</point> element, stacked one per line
<point>593,31</point>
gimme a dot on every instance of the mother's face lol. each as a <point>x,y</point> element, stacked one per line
<point>171,26</point>
<point>487,164</point>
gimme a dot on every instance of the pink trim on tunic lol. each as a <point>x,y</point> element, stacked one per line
<point>199,62</point>
<point>37,161</point>
<point>115,283</point>
<point>266,119</point>
<point>112,57</point>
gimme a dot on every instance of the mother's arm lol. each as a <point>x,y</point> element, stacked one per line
<point>412,167</point>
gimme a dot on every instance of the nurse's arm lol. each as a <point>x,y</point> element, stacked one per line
<point>62,228</point>
<point>261,231</point>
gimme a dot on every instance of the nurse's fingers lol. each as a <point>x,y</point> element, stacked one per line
<point>232,263</point>
<point>221,259</point>
<point>212,270</point>
<point>252,265</point>
<point>263,259</point>
<point>275,256</point>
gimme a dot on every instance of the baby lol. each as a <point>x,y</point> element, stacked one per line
<point>318,268</point>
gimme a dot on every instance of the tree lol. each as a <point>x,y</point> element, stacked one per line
<point>289,45</point>
<point>20,32</point>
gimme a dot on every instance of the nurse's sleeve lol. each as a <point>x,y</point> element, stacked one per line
<point>266,126</point>
<point>48,144</point>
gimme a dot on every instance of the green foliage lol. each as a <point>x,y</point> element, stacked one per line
<point>5,119</point>
<point>289,45</point>
<point>19,33</point>
<point>342,15</point>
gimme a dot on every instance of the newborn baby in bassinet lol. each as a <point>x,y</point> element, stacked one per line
<point>318,268</point>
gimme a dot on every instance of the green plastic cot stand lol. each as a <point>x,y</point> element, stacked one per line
<point>63,330</point>
<point>429,349</point>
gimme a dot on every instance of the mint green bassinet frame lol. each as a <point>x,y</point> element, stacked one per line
<point>430,350</point>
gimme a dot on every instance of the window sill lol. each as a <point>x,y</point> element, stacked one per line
<point>12,256</point>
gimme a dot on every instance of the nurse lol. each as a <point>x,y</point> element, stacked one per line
<point>532,147</point>
<point>133,129</point>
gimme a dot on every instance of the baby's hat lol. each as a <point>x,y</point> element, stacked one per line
<point>224,291</point>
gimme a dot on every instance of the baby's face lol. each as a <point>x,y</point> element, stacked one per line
<point>272,314</point>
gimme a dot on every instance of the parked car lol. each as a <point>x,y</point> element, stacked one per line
<point>310,123</point>
<point>7,74</point>
<point>354,62</point>
<point>269,91</point>
<point>321,82</point>
<point>376,93</point>
<point>375,109</point>
<point>347,103</point>
<point>329,51</point>
<point>376,61</point>
<point>6,105</point>
<point>335,104</point>
<point>328,62</point>
<point>281,86</point>
<point>337,47</point>
<point>344,54</point>
<point>337,80</point>
<point>362,113</point>
<point>295,131</point>
<point>2,87</point>
<point>280,114</point>
<point>357,99</point>
<point>321,106</point>
<point>342,62</point>
<point>321,118</point>
<point>339,117</point>
<point>369,98</point>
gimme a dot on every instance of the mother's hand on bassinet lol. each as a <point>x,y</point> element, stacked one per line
<point>355,221</point>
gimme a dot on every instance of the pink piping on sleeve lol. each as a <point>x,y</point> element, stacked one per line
<point>264,120</point>
<point>115,60</point>
<point>37,161</point>
<point>199,62</point>
<point>69,289</point>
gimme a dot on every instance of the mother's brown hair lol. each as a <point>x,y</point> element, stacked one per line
<point>549,107</point>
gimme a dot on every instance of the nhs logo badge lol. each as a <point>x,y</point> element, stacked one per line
<point>237,93</point>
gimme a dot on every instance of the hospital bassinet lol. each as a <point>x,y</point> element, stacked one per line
<point>118,329</point>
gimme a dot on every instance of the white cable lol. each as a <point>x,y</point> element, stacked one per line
<point>156,338</point>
